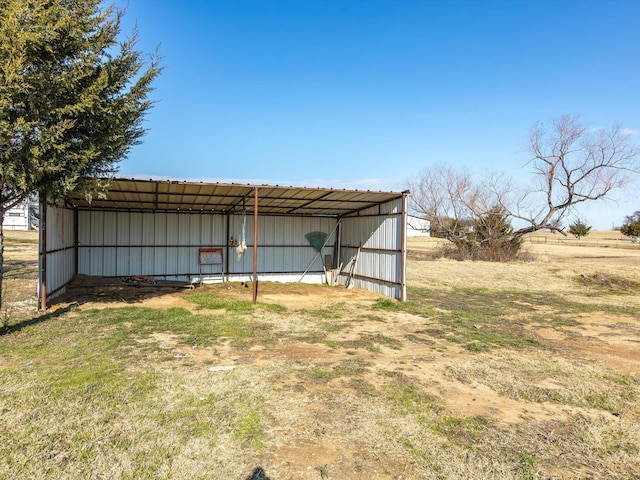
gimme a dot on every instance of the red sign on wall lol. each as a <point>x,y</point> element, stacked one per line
<point>210,256</point>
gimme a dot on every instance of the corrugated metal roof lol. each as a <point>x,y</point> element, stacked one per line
<point>168,195</point>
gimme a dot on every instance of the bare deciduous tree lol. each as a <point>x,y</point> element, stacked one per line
<point>571,164</point>
<point>574,164</point>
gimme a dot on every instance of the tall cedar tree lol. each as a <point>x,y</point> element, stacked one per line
<point>72,98</point>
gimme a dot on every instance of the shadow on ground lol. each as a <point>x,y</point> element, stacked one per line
<point>9,329</point>
<point>258,474</point>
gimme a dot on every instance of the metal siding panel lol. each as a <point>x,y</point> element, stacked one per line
<point>110,236</point>
<point>183,229</point>
<point>69,220</point>
<point>158,245</point>
<point>109,228</point>
<point>172,228</point>
<point>184,259</point>
<point>96,241</point>
<point>159,261</point>
<point>109,259</point>
<point>194,233</point>
<point>378,233</point>
<point>123,234</point>
<point>84,228</point>
<point>60,264</point>
<point>160,230</point>
<point>135,240</point>
<point>267,230</point>
<point>205,237</point>
<point>171,253</point>
<point>148,253</point>
<point>219,227</point>
<point>56,225</point>
<point>270,233</point>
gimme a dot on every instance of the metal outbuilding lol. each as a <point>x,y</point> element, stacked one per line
<point>209,232</point>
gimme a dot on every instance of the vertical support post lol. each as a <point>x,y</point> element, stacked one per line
<point>226,253</point>
<point>403,254</point>
<point>43,253</point>
<point>336,249</point>
<point>76,241</point>
<point>255,245</point>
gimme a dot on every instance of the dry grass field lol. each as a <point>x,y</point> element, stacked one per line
<point>527,370</point>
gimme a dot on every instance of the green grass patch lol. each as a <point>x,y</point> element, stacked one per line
<point>346,368</point>
<point>331,312</point>
<point>480,320</point>
<point>318,333</point>
<point>528,465</point>
<point>87,394</point>
<point>249,427</point>
<point>133,323</point>
<point>385,304</point>
<point>466,429</point>
<point>209,301</point>
<point>408,397</point>
<point>483,303</point>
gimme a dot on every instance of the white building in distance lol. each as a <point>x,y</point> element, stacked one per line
<point>418,227</point>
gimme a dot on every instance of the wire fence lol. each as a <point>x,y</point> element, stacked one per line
<point>584,242</point>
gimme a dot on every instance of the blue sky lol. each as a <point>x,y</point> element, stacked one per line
<point>365,94</point>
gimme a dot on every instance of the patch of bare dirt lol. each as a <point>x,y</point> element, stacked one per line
<point>613,341</point>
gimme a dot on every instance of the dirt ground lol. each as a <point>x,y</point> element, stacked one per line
<point>612,341</point>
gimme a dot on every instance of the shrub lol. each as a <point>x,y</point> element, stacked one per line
<point>579,229</point>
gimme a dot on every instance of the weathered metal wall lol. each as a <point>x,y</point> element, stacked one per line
<point>283,251</point>
<point>166,245</point>
<point>59,230</point>
<point>378,232</point>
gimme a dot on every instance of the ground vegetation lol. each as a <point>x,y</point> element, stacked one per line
<point>489,370</point>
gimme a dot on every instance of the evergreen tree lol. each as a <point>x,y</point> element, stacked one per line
<point>490,237</point>
<point>579,229</point>
<point>72,98</point>
<point>495,237</point>
<point>631,227</point>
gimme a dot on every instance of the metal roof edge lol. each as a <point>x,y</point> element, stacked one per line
<point>250,185</point>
